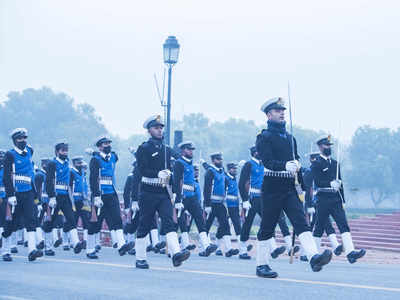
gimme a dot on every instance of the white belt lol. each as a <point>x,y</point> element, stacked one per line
<point>231,197</point>
<point>2,189</point>
<point>255,191</point>
<point>281,174</point>
<point>188,187</point>
<point>106,182</point>
<point>61,187</point>
<point>45,195</point>
<point>23,178</point>
<point>153,181</point>
<point>77,194</point>
<point>219,198</point>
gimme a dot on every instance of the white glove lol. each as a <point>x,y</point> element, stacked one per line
<point>135,206</point>
<point>98,202</point>
<point>207,209</point>
<point>126,210</point>
<point>202,161</point>
<point>179,206</point>
<point>246,205</point>
<point>12,201</point>
<point>52,202</point>
<point>40,208</point>
<point>311,210</point>
<point>164,174</point>
<point>336,184</point>
<point>292,166</point>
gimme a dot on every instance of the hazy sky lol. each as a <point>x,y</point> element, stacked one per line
<point>341,57</point>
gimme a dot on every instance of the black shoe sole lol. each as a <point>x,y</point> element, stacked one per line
<point>271,275</point>
<point>278,251</point>
<point>184,257</point>
<point>338,250</point>
<point>143,267</point>
<point>125,248</point>
<point>245,257</point>
<point>326,257</point>
<point>354,259</point>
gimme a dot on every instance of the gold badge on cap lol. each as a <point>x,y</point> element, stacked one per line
<point>158,119</point>
<point>329,137</point>
<point>280,101</point>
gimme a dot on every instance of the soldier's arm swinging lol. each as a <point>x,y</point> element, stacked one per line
<point>50,179</point>
<point>208,180</point>
<point>244,181</point>
<point>7,178</point>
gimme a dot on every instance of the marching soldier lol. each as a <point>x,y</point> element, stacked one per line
<point>102,185</point>
<point>232,197</point>
<point>250,182</point>
<point>184,185</point>
<point>277,150</point>
<point>309,207</point>
<point>58,190</point>
<point>154,163</point>
<point>18,183</point>
<point>330,198</point>
<point>79,188</point>
<point>215,185</point>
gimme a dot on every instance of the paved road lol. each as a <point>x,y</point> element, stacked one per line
<point>69,276</point>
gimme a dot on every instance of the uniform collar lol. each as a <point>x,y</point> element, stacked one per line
<point>215,167</point>
<point>103,155</point>
<point>324,157</point>
<point>19,151</point>
<point>256,160</point>
<point>186,159</point>
<point>61,161</point>
<point>76,170</point>
<point>230,176</point>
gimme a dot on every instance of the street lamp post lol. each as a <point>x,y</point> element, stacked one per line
<point>171,55</point>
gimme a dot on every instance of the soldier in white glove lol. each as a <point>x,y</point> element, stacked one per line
<point>327,179</point>
<point>154,163</point>
<point>18,175</point>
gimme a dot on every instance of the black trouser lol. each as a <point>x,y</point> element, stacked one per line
<point>328,225</point>
<point>24,209</point>
<point>256,208</point>
<point>273,203</point>
<point>149,204</point>
<point>192,205</point>
<point>3,206</point>
<point>110,211</point>
<point>83,214</point>
<point>330,204</point>
<point>65,205</point>
<point>219,211</point>
<point>235,218</point>
<point>95,227</point>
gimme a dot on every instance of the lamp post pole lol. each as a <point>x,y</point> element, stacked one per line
<point>169,105</point>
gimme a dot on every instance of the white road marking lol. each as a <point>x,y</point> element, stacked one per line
<point>312,282</point>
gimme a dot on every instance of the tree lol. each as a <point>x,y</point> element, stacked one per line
<point>374,156</point>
